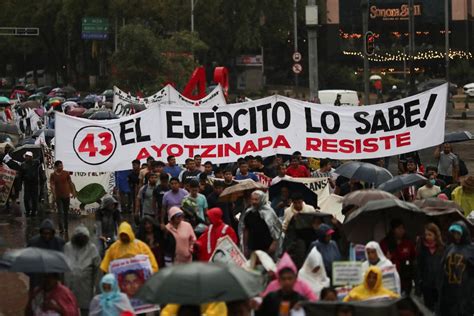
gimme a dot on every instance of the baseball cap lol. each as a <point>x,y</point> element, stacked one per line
<point>456,228</point>
<point>28,153</point>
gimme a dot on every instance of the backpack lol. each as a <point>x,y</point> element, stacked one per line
<point>462,168</point>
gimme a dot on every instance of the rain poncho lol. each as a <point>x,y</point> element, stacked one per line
<point>110,303</point>
<point>184,236</point>
<point>266,213</point>
<point>300,287</point>
<point>319,280</point>
<point>119,250</point>
<point>37,241</point>
<point>364,293</point>
<point>84,263</point>
<point>60,294</point>
<point>208,240</point>
<point>382,263</point>
<point>457,280</point>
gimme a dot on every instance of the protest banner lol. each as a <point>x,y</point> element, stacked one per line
<point>227,252</point>
<point>262,127</point>
<point>167,95</point>
<point>7,176</point>
<point>131,274</point>
<point>389,279</point>
<point>347,273</point>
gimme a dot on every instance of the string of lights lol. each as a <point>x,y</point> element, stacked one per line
<point>401,56</point>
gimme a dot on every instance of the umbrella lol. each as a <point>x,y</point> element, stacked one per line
<point>32,104</point>
<point>48,133</point>
<point>360,197</point>
<point>444,217</point>
<point>4,100</point>
<point>198,283</point>
<point>103,115</point>
<point>400,182</point>
<point>37,96</point>
<point>437,203</point>
<point>36,260</point>
<point>364,171</point>
<point>18,153</point>
<point>309,196</point>
<point>9,129</point>
<point>456,137</point>
<point>44,89</point>
<point>372,221</point>
<point>232,193</point>
<point>375,77</point>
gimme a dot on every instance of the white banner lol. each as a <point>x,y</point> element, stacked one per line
<point>167,95</point>
<point>265,127</point>
<point>227,252</point>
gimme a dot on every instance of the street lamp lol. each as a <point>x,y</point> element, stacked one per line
<point>312,25</point>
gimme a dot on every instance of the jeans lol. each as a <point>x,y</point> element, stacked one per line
<point>30,198</point>
<point>63,211</point>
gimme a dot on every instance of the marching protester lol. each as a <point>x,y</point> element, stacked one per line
<point>172,168</point>
<point>371,288</point>
<point>463,195</point>
<point>207,242</point>
<point>457,276</point>
<point>314,273</point>
<point>133,179</point>
<point>402,252</point>
<point>30,175</point>
<point>375,257</point>
<point>430,251</point>
<point>327,247</point>
<point>298,206</point>
<point>448,163</point>
<point>62,189</point>
<point>296,169</point>
<point>194,205</point>
<point>281,202</point>
<point>84,260</point>
<point>107,221</point>
<point>127,246</point>
<point>174,197</point>
<point>430,189</point>
<point>259,227</point>
<point>183,234</point>
<point>245,173</point>
<point>111,301</point>
<point>52,298</point>
<point>159,193</point>
<point>145,203</point>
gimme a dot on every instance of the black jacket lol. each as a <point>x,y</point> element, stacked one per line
<point>57,243</point>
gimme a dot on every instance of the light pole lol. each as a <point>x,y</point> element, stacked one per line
<point>364,5</point>
<point>312,25</point>
<point>446,37</point>
<point>295,33</point>
<point>411,48</point>
<point>193,4</point>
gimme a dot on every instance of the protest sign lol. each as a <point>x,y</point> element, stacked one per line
<point>389,279</point>
<point>262,127</point>
<point>346,273</point>
<point>227,252</point>
<point>131,274</point>
<point>7,176</point>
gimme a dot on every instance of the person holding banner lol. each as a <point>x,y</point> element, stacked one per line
<point>127,246</point>
<point>296,169</point>
<point>217,229</point>
<point>371,288</point>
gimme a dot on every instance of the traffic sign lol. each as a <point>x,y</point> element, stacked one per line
<point>296,57</point>
<point>95,28</point>
<point>297,68</point>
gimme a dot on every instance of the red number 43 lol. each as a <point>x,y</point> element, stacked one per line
<point>87,145</point>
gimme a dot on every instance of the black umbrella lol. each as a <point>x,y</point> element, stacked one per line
<point>103,115</point>
<point>456,137</point>
<point>36,260</point>
<point>309,196</point>
<point>47,133</point>
<point>9,129</point>
<point>372,221</point>
<point>363,171</point>
<point>198,283</point>
<point>18,153</point>
<point>400,182</point>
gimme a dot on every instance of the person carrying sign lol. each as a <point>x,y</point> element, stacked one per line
<point>125,247</point>
<point>207,242</point>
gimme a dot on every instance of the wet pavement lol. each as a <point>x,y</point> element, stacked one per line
<point>17,230</point>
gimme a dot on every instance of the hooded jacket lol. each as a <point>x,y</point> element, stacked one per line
<point>119,250</point>
<point>364,293</point>
<point>84,262</point>
<point>457,280</point>
<point>383,262</point>
<point>319,280</point>
<point>301,286</point>
<point>184,236</point>
<point>328,250</point>
<point>207,242</point>
<point>110,303</point>
<point>56,243</point>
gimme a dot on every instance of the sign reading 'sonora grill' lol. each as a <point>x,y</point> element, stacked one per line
<point>272,125</point>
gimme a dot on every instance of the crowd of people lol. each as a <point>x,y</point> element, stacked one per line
<point>174,215</point>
